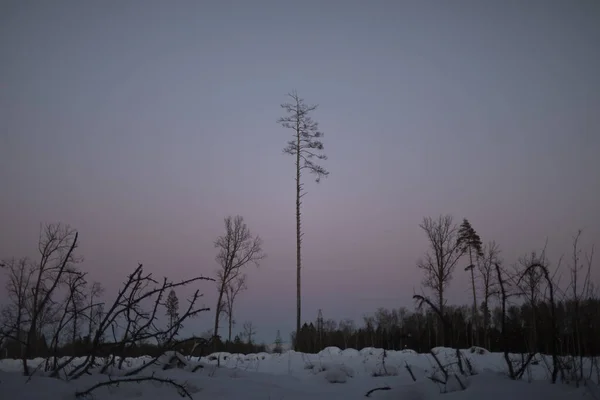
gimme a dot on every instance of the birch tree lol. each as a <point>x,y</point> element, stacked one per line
<point>237,248</point>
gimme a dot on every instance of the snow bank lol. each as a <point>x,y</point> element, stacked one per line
<point>332,374</point>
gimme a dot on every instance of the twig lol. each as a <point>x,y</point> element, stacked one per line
<point>376,389</point>
<point>410,371</point>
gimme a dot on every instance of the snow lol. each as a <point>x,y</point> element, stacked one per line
<point>331,374</point>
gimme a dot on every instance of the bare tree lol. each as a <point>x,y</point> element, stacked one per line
<point>579,289</point>
<point>70,315</point>
<point>445,320</point>
<point>504,286</point>
<point>94,309</point>
<point>527,282</point>
<point>33,287</point>
<point>14,315</point>
<point>238,247</point>
<point>249,331</point>
<point>441,259</point>
<point>231,292</point>
<point>486,263</point>
<point>306,147</point>
<point>553,331</point>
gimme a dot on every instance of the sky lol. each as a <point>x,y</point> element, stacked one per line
<point>143,124</point>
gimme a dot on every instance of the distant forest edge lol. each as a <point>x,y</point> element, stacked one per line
<point>527,328</point>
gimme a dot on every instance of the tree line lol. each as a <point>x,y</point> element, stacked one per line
<point>399,329</point>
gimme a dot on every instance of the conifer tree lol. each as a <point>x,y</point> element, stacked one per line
<point>172,306</point>
<point>278,343</point>
<point>306,147</point>
<point>470,242</point>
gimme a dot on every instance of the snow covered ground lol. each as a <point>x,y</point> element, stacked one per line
<point>331,374</point>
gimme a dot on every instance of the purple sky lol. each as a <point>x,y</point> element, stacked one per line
<point>144,123</point>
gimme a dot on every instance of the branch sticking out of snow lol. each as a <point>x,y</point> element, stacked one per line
<point>181,389</point>
<point>376,389</point>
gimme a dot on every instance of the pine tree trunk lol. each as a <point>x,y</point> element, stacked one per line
<point>298,244</point>
<point>474,310</point>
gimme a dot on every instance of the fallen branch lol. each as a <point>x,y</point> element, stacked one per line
<point>440,365</point>
<point>436,380</point>
<point>410,371</point>
<point>376,389</point>
<point>462,385</point>
<point>181,389</point>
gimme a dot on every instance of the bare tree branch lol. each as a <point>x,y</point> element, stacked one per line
<point>237,248</point>
<point>440,261</point>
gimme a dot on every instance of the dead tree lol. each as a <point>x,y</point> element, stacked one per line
<point>553,325</point>
<point>485,265</point>
<point>249,331</point>
<point>527,281</point>
<point>447,327</point>
<point>306,147</point>
<point>130,323</point>
<point>579,289</point>
<point>231,292</point>
<point>33,287</point>
<point>421,300</point>
<point>441,259</point>
<point>237,248</point>
<point>72,311</point>
<point>15,320</point>
<point>504,296</point>
<point>94,308</point>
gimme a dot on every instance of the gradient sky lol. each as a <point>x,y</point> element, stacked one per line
<point>144,123</point>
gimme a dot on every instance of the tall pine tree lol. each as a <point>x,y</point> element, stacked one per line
<point>470,242</point>
<point>306,147</point>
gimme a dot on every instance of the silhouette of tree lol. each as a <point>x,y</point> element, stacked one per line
<point>172,306</point>
<point>231,292</point>
<point>278,343</point>
<point>441,259</point>
<point>469,241</point>
<point>306,147</point>
<point>238,247</point>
